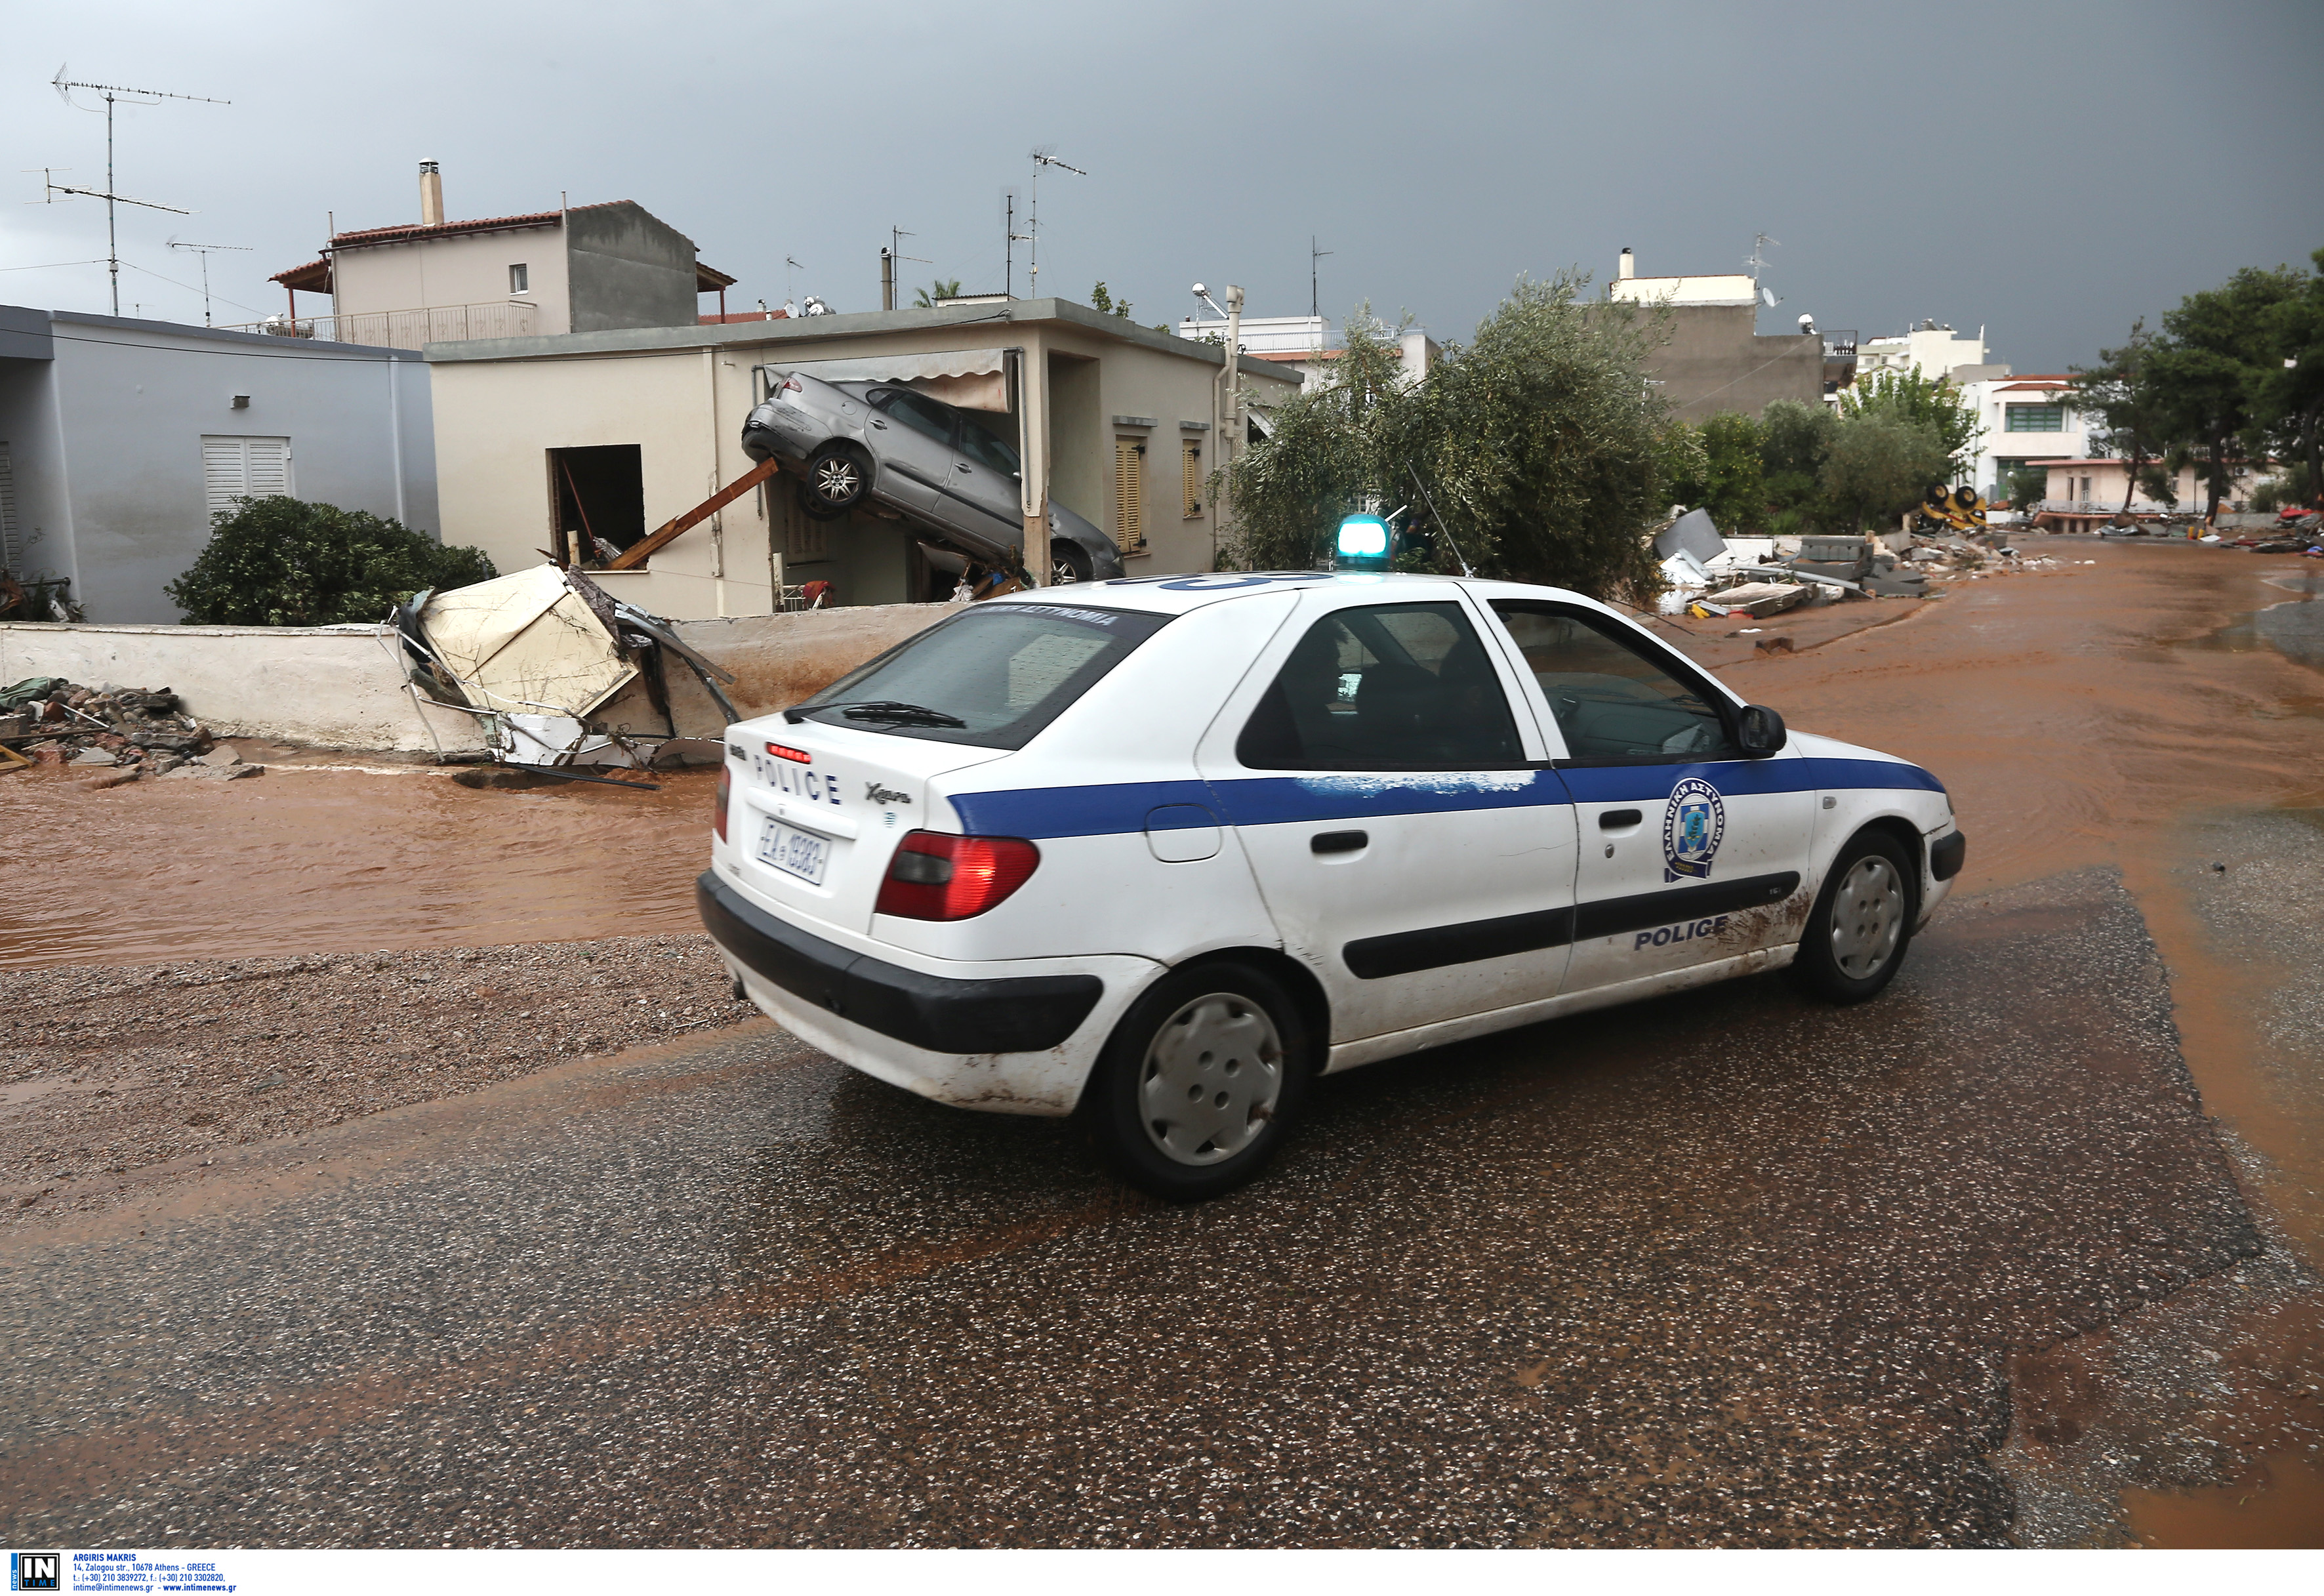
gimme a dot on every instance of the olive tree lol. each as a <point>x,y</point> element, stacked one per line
<point>1540,444</point>
<point>1881,466</point>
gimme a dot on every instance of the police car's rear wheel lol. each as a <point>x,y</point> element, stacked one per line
<point>1198,1081</point>
<point>1862,921</point>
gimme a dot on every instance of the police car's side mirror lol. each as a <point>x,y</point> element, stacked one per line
<point>1763,731</point>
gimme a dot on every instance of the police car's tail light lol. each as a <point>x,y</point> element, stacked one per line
<point>937,876</point>
<point>725,791</point>
<point>796,755</point>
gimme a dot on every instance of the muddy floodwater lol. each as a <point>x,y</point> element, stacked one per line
<point>307,861</point>
<point>2030,1250</point>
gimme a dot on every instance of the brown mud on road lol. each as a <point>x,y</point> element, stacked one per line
<point>329,860</point>
<point>2154,712</point>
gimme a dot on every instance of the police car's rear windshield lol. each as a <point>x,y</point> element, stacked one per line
<point>992,677</point>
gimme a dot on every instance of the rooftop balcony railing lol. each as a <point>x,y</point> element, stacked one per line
<point>410,329</point>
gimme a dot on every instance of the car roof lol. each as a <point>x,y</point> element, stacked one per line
<point>1193,590</point>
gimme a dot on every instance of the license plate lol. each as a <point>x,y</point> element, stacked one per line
<point>794,852</point>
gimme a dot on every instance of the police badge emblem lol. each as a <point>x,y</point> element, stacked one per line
<point>1693,824</point>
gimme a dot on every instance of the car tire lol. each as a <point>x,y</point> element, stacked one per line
<point>1199,1083</point>
<point>1862,921</point>
<point>1068,563</point>
<point>836,481</point>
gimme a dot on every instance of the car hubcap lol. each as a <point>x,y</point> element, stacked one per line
<point>1867,916</point>
<point>1211,1076</point>
<point>835,481</point>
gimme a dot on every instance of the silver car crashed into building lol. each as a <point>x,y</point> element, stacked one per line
<point>914,455</point>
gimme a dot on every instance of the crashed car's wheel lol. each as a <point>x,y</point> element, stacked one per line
<point>1862,921</point>
<point>836,481</point>
<point>1200,1080</point>
<point>1068,563</point>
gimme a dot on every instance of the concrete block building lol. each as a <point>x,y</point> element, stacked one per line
<point>120,439</point>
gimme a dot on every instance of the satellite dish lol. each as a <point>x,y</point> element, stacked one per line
<point>1769,294</point>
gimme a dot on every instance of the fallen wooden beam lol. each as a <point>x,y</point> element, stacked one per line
<point>638,552</point>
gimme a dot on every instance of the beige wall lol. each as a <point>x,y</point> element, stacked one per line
<point>471,269</point>
<point>497,419</point>
<point>338,690</point>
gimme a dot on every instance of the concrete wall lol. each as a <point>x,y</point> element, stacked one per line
<point>467,269</point>
<point>1715,362</point>
<point>628,269</point>
<point>346,688</point>
<point>338,690</point>
<point>106,443</point>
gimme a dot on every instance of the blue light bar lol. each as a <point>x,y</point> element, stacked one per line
<point>1363,544</point>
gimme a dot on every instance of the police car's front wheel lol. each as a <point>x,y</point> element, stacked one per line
<point>1199,1081</point>
<point>1862,921</point>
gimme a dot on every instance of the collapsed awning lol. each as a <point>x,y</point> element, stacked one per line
<point>526,643</point>
<point>972,379</point>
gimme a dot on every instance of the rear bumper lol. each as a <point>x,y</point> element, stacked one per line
<point>932,1013</point>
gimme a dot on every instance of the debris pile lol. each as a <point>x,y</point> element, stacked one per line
<point>118,734</point>
<point>1711,577</point>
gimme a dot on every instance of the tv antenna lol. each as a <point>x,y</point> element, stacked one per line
<point>1759,242</point>
<point>206,251</point>
<point>789,266</point>
<point>1313,254</point>
<point>135,97</point>
<point>1009,239</point>
<point>1042,156</point>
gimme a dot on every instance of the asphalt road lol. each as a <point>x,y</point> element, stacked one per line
<point>1728,1268</point>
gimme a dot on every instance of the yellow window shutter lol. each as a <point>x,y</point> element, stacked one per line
<point>1129,492</point>
<point>1190,475</point>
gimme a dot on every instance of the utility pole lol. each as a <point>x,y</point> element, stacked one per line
<point>206,251</point>
<point>1315,300</point>
<point>137,96</point>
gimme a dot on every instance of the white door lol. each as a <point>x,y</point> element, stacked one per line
<point>242,468</point>
<point>1691,853</point>
<point>1412,849</point>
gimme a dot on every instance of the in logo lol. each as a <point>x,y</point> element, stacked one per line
<point>1693,824</point>
<point>36,1570</point>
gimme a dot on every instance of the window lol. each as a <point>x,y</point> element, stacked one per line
<point>242,468</point>
<point>1129,492</point>
<point>2033,418</point>
<point>600,497</point>
<point>985,449</point>
<point>520,279</point>
<point>929,416</point>
<point>1611,702</point>
<point>1387,688</point>
<point>991,677</point>
<point>1190,475</point>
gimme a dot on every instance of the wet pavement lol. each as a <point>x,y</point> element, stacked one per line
<point>1735,1268</point>
<point>1971,1265</point>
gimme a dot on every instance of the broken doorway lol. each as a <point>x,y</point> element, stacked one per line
<point>600,495</point>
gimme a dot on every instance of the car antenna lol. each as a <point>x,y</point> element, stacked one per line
<point>1466,568</point>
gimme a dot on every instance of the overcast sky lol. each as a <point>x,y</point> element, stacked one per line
<point>2049,170</point>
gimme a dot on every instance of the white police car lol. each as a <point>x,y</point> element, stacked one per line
<point>1155,852</point>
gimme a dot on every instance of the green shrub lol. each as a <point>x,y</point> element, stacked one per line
<point>279,561</point>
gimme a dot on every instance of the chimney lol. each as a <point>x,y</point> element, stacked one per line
<point>431,196</point>
<point>1626,265</point>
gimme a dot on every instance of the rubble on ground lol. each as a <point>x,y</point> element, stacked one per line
<point>1732,577</point>
<point>114,733</point>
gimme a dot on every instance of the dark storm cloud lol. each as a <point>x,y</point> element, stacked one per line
<point>2048,171</point>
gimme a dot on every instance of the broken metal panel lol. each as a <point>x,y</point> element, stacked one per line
<point>526,643</point>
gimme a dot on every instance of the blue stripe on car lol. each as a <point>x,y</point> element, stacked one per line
<point>1116,807</point>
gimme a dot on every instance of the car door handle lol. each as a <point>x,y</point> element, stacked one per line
<point>880,424</point>
<point>1616,820</point>
<point>960,467</point>
<point>1338,842</point>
